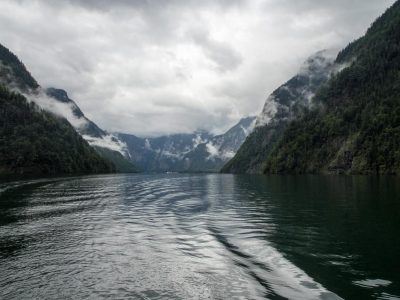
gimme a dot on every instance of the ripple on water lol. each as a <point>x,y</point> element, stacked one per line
<point>170,237</point>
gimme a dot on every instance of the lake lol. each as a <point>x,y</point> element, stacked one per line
<point>179,236</point>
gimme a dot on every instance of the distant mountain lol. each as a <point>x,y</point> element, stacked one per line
<point>162,154</point>
<point>287,103</point>
<point>197,152</point>
<point>213,154</point>
<point>15,77</point>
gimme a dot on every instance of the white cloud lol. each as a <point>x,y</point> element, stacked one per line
<point>66,110</point>
<point>269,111</point>
<point>61,109</point>
<point>151,67</point>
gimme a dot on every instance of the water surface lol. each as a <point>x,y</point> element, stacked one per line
<point>200,237</point>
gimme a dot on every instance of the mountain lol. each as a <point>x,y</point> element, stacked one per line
<point>87,127</point>
<point>288,102</point>
<point>349,123</point>
<point>213,154</point>
<point>105,144</point>
<point>58,101</point>
<point>355,127</point>
<point>162,154</point>
<point>196,152</point>
<point>36,142</point>
<point>121,163</point>
<point>14,76</point>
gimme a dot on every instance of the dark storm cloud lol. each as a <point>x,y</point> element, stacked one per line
<point>152,67</point>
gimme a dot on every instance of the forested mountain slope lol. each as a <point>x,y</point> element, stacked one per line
<point>15,77</point>
<point>356,125</point>
<point>285,104</point>
<point>36,142</point>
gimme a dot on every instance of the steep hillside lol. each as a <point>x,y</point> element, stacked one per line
<point>16,77</point>
<point>355,127</point>
<point>122,165</point>
<point>58,101</point>
<point>285,104</point>
<point>86,127</point>
<point>35,142</point>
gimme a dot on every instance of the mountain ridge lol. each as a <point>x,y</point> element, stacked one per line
<point>185,152</point>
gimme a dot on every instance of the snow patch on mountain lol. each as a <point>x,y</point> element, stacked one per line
<point>108,141</point>
<point>147,145</point>
<point>197,140</point>
<point>224,146</point>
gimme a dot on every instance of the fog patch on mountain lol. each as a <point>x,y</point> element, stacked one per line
<point>64,110</point>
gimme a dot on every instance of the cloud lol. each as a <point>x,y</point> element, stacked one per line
<point>155,67</point>
<point>65,110</point>
<point>224,56</point>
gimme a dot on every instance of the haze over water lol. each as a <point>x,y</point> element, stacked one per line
<point>200,237</point>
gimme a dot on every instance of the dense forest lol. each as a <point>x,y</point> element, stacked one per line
<point>36,142</point>
<point>353,124</point>
<point>356,128</point>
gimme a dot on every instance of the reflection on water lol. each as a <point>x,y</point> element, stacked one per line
<point>200,237</point>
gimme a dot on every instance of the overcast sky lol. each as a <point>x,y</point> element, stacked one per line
<point>157,66</point>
